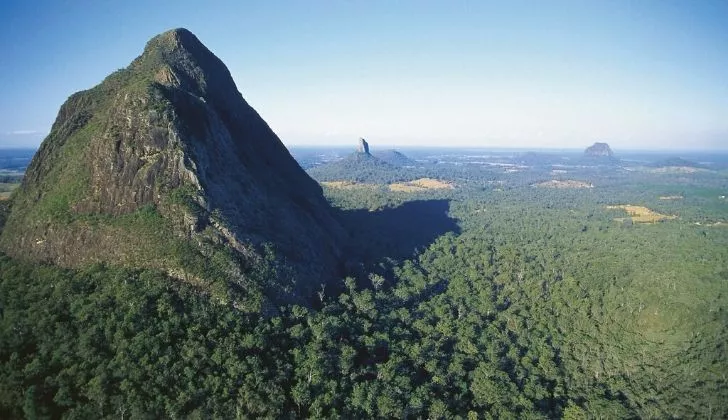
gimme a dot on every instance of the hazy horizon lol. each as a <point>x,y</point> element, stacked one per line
<point>643,75</point>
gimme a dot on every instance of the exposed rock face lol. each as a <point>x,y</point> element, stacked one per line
<point>165,165</point>
<point>363,146</point>
<point>598,150</point>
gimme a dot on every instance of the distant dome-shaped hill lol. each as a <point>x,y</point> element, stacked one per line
<point>394,157</point>
<point>600,154</point>
<point>677,162</point>
<point>598,150</point>
<point>164,165</point>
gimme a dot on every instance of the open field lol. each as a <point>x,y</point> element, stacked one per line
<point>346,185</point>
<point>641,214</point>
<point>676,170</point>
<point>421,184</point>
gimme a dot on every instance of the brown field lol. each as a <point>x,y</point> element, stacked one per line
<point>671,197</point>
<point>569,183</point>
<point>346,185</point>
<point>676,170</point>
<point>421,184</point>
<point>640,214</point>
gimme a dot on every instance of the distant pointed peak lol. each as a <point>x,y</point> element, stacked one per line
<point>363,146</point>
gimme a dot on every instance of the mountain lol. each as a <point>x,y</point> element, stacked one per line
<point>164,165</point>
<point>393,157</point>
<point>598,150</point>
<point>600,154</point>
<point>359,166</point>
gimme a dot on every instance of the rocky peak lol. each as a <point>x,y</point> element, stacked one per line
<point>363,146</point>
<point>598,150</point>
<point>165,165</point>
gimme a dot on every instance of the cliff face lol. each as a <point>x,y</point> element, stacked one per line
<point>165,165</point>
<point>363,146</point>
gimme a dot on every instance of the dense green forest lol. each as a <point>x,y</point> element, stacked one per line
<point>495,299</point>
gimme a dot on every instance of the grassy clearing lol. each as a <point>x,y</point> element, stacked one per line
<point>6,189</point>
<point>641,214</point>
<point>421,184</point>
<point>346,185</point>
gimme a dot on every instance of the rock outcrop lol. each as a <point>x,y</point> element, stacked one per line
<point>363,146</point>
<point>598,150</point>
<point>164,165</point>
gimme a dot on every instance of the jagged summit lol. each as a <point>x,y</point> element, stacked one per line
<point>164,165</point>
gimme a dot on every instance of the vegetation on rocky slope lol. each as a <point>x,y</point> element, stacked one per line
<point>165,166</point>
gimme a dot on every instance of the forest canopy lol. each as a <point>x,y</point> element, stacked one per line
<point>494,299</point>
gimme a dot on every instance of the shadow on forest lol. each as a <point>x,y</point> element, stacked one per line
<point>396,233</point>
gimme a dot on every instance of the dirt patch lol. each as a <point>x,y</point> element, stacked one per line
<point>640,214</point>
<point>421,184</point>
<point>568,183</point>
<point>676,170</point>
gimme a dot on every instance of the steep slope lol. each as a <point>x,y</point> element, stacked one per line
<point>165,165</point>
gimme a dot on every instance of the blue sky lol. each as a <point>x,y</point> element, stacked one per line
<point>638,74</point>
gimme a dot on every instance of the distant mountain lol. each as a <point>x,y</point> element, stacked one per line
<point>598,150</point>
<point>599,154</point>
<point>164,165</point>
<point>360,166</point>
<point>393,157</point>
